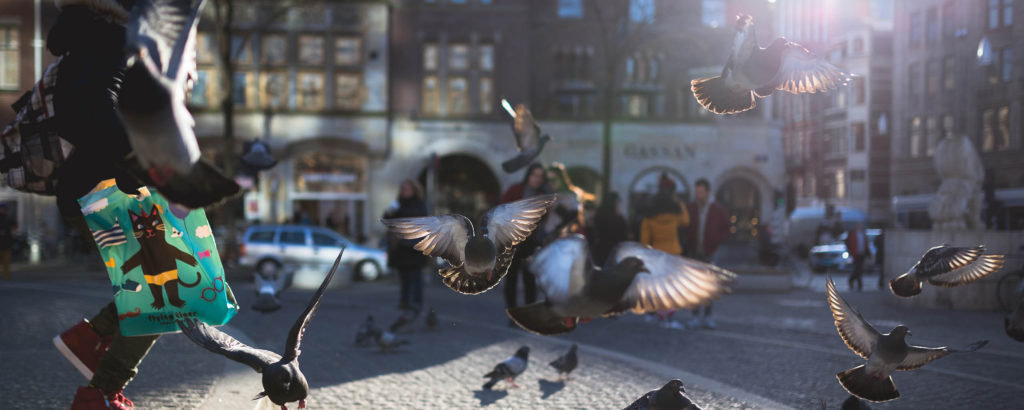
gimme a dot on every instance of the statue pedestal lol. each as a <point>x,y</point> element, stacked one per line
<point>903,248</point>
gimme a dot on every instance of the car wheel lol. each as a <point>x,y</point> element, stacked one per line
<point>268,268</point>
<point>368,271</point>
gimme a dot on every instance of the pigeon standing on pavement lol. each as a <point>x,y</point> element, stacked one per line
<point>403,320</point>
<point>432,320</point>
<point>884,353</point>
<point>529,140</point>
<point>386,340</point>
<point>267,292</point>
<point>946,266</point>
<point>634,278</point>
<point>509,368</point>
<point>478,261</point>
<point>1014,323</point>
<point>283,382</point>
<point>365,334</point>
<point>752,71</point>
<point>566,363</point>
<point>671,396</point>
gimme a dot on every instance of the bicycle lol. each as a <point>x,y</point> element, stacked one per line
<point>1010,289</point>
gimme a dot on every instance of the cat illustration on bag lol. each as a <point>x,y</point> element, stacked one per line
<point>158,259</point>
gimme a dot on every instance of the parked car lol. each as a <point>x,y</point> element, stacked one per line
<point>835,256</point>
<point>269,248</point>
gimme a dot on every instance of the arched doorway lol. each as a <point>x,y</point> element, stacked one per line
<point>464,185</point>
<point>743,200</point>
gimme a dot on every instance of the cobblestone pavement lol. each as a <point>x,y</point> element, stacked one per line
<point>769,350</point>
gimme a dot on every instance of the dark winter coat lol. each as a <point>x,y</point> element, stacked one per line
<point>401,254</point>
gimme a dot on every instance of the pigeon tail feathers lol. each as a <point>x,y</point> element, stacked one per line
<point>714,95</point>
<point>459,280</point>
<point>859,383</point>
<point>540,319</point>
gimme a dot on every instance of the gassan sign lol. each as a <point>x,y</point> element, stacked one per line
<point>648,151</point>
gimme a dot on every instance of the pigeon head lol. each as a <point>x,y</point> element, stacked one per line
<point>633,264</point>
<point>905,286</point>
<point>284,383</point>
<point>573,347</point>
<point>480,254</point>
<point>900,332</point>
<point>523,352</point>
<point>743,21</point>
<point>673,386</point>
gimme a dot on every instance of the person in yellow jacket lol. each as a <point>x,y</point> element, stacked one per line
<point>666,218</point>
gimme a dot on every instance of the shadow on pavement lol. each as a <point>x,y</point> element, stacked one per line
<point>549,387</point>
<point>488,397</point>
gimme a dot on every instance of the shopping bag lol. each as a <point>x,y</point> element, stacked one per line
<point>161,259</point>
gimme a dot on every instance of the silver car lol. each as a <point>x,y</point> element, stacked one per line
<point>269,248</point>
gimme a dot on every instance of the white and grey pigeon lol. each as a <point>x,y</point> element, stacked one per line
<point>509,368</point>
<point>478,259</point>
<point>671,396</point>
<point>366,332</point>
<point>432,320</point>
<point>386,340</point>
<point>566,363</point>
<point>752,71</point>
<point>635,278</point>
<point>267,291</point>
<point>529,140</point>
<point>946,266</point>
<point>283,381</point>
<point>1014,323</point>
<point>885,353</point>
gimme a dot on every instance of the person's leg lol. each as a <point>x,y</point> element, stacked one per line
<point>529,286</point>
<point>404,281</point>
<point>416,289</point>
<point>511,284</point>
<point>5,259</point>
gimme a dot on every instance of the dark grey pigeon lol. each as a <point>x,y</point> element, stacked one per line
<point>283,382</point>
<point>257,156</point>
<point>403,320</point>
<point>671,396</point>
<point>366,332</point>
<point>509,368</point>
<point>1014,323</point>
<point>529,140</point>
<point>635,278</point>
<point>267,292</point>
<point>884,353</point>
<point>478,261</point>
<point>432,319</point>
<point>752,71</point>
<point>566,363</point>
<point>946,266</point>
<point>386,340</point>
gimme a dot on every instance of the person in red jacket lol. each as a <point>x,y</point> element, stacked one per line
<point>709,226</point>
<point>535,182</point>
<point>857,246</point>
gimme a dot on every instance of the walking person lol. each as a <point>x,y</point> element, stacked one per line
<point>709,229</point>
<point>407,261</point>
<point>534,183</point>
<point>880,259</point>
<point>666,217</point>
<point>7,229</point>
<point>608,228</point>
<point>857,246</point>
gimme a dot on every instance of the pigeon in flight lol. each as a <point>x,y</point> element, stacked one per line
<point>283,382</point>
<point>267,292</point>
<point>754,71</point>
<point>529,140</point>
<point>432,320</point>
<point>509,369</point>
<point>566,363</point>
<point>478,261</point>
<point>1014,323</point>
<point>386,340</point>
<point>884,353</point>
<point>634,278</point>
<point>946,266</point>
<point>671,396</point>
<point>365,334</point>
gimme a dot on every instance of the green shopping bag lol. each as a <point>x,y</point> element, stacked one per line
<point>161,259</point>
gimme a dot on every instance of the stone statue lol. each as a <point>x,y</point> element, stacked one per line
<point>957,204</point>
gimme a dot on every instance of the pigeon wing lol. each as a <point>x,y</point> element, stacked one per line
<point>509,224</point>
<point>223,344</point>
<point>918,356</point>
<point>983,266</point>
<point>856,332</point>
<point>562,268</point>
<point>291,349</point>
<point>673,282</point>
<point>943,259</point>
<point>526,130</point>
<point>801,71</point>
<point>165,30</point>
<point>444,236</point>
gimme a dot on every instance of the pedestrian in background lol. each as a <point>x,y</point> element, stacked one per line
<point>7,228</point>
<point>880,258</point>
<point>608,229</point>
<point>401,255</point>
<point>709,228</point>
<point>660,229</point>
<point>535,182</point>
<point>859,249</point>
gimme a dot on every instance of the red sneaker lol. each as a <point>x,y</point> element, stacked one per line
<point>83,347</point>
<point>89,398</point>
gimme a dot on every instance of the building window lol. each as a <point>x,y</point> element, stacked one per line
<point>859,91</point>
<point>201,92</point>
<point>857,175</point>
<point>858,46</point>
<point>458,96</point>
<point>1003,143</point>
<point>630,70</point>
<point>274,49</point>
<point>9,61</point>
<point>206,48</point>
<point>1006,63</point>
<point>1000,13</point>
<point>932,131</point>
<point>486,95</point>
<point>244,91</point>
<point>641,11</point>
<point>458,57</point>
<point>995,129</point>
<point>240,50</point>
<point>949,73</point>
<point>637,106</point>
<point>348,91</point>
<point>430,57</point>
<point>311,50</point>
<point>347,50</point>
<point>274,89</point>
<point>570,9</point>
<point>914,78</point>
<point>932,25</point>
<point>840,184</point>
<point>308,15</point>
<point>947,126</point>
<point>915,138</point>
<point>948,19</point>
<point>836,141</point>
<point>310,91</point>
<point>431,96</point>
<point>712,13</point>
<point>932,79</point>
<point>1007,13</point>
<point>993,14</point>
<point>486,57</point>
<point>457,1</point>
<point>916,23</point>
<point>859,141</point>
